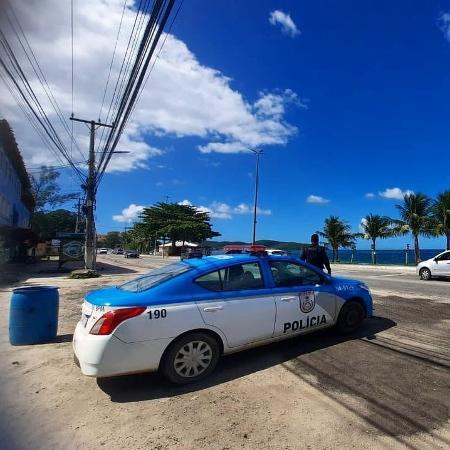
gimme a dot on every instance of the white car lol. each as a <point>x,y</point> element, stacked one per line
<point>439,266</point>
<point>182,317</point>
<point>102,251</point>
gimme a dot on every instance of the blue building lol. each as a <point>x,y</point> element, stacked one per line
<point>16,198</point>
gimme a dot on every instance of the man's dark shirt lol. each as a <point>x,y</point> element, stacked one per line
<point>317,256</point>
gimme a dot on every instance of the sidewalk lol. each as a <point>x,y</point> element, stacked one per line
<point>370,267</point>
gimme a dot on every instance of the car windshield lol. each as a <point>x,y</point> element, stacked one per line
<point>155,277</point>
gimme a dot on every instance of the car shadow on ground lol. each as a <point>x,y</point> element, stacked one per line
<point>149,386</point>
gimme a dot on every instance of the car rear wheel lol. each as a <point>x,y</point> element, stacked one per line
<point>425,274</point>
<point>350,317</point>
<point>190,358</point>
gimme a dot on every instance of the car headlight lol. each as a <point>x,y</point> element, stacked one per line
<point>364,287</point>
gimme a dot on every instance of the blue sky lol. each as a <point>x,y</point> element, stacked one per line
<point>350,98</point>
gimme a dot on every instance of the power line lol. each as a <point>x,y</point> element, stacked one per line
<point>31,119</point>
<point>157,56</point>
<point>22,86</point>
<point>155,25</point>
<point>30,55</point>
<point>138,20</point>
<point>71,29</point>
<point>112,60</point>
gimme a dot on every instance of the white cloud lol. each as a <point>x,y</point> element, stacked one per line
<point>205,105</point>
<point>317,199</point>
<point>220,210</point>
<point>395,193</point>
<point>283,19</point>
<point>224,147</point>
<point>362,223</point>
<point>444,25</point>
<point>129,214</point>
<point>370,195</point>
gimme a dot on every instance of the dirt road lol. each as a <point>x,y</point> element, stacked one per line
<point>387,387</point>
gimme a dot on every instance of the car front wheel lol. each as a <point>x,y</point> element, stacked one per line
<point>425,273</point>
<point>350,317</point>
<point>191,358</point>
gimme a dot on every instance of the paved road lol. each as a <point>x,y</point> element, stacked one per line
<point>398,281</point>
<point>395,374</point>
<point>386,386</point>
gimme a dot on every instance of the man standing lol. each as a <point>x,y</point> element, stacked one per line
<point>316,255</point>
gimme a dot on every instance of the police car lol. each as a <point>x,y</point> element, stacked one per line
<point>181,318</point>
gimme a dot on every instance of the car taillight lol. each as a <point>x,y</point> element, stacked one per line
<point>110,320</point>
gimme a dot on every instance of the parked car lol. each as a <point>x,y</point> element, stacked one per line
<point>439,266</point>
<point>182,317</point>
<point>274,251</point>
<point>117,251</point>
<point>191,252</point>
<point>131,254</point>
<point>102,251</point>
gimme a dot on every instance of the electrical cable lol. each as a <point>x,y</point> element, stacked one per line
<point>31,119</point>
<point>166,34</point>
<point>112,60</point>
<point>71,29</point>
<point>41,117</point>
<point>155,25</point>
<point>39,72</point>
<point>122,73</point>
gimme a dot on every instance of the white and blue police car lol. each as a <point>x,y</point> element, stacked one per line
<point>181,318</point>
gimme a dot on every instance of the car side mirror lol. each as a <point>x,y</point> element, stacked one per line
<point>436,260</point>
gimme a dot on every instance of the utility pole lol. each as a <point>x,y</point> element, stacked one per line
<point>77,223</point>
<point>90,234</point>
<point>258,154</point>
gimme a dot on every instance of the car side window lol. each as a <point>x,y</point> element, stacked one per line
<point>444,257</point>
<point>288,274</point>
<point>233,278</point>
<point>211,281</point>
<point>242,276</point>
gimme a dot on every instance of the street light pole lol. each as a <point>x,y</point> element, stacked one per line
<point>258,153</point>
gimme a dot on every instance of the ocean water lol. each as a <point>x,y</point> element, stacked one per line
<point>383,256</point>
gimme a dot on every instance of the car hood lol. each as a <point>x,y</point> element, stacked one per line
<point>341,280</point>
<point>425,262</point>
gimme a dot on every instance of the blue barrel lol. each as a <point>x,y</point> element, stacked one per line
<point>33,317</point>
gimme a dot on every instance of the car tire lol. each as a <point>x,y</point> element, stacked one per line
<point>350,317</point>
<point>201,347</point>
<point>425,274</point>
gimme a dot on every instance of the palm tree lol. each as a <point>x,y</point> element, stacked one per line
<point>441,214</point>
<point>375,226</point>
<point>416,218</point>
<point>338,234</point>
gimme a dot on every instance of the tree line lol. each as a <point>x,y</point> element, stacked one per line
<point>419,215</point>
<point>169,222</point>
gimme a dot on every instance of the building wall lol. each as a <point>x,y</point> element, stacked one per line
<point>12,210</point>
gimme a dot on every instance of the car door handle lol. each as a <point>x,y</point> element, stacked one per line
<point>288,299</point>
<point>213,308</point>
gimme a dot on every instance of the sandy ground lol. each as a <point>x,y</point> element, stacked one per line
<point>386,387</point>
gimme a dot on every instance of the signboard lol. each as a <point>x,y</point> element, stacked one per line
<point>71,247</point>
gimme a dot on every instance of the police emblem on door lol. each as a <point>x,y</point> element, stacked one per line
<point>307,301</point>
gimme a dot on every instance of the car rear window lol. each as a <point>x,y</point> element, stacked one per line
<point>155,277</point>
